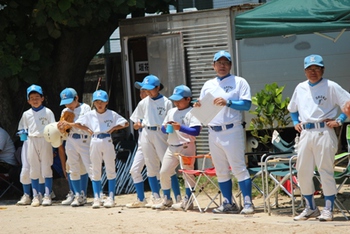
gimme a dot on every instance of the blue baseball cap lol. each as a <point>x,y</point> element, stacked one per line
<point>100,95</point>
<point>34,88</point>
<point>180,92</point>
<point>150,82</point>
<point>138,85</point>
<point>220,54</point>
<point>313,59</point>
<point>67,96</point>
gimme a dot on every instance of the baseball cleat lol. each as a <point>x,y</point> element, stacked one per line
<point>25,200</point>
<point>78,201</point>
<point>109,203</point>
<point>248,209</point>
<point>307,213</point>
<point>69,199</point>
<point>226,208</point>
<point>37,200</point>
<point>165,203</point>
<point>326,215</point>
<point>137,204</point>
<point>47,200</point>
<point>96,203</point>
<point>182,205</point>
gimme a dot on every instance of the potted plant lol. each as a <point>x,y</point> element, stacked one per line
<point>271,113</point>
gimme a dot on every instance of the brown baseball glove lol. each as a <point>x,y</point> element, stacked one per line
<point>69,117</point>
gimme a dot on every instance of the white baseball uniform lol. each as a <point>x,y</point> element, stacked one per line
<point>178,142</point>
<point>77,146</point>
<point>138,163</point>
<point>40,154</point>
<point>227,146</point>
<point>317,146</point>
<point>101,146</point>
<point>153,141</point>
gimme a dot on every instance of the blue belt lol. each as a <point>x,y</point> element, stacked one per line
<point>220,128</point>
<point>154,128</point>
<point>314,125</point>
<point>102,135</point>
<point>79,136</point>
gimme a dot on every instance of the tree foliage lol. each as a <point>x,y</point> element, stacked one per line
<point>51,42</point>
<point>271,112</point>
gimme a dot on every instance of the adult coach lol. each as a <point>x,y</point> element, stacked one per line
<point>313,107</point>
<point>226,133</point>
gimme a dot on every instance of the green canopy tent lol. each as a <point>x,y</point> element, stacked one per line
<point>285,17</point>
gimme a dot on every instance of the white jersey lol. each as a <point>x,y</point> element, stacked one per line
<point>152,112</point>
<point>78,111</point>
<point>326,96</point>
<point>101,123</point>
<point>184,117</point>
<point>35,121</point>
<point>233,88</point>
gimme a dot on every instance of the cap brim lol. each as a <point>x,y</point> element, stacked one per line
<point>148,87</point>
<point>161,86</point>
<point>66,101</point>
<point>175,97</point>
<point>100,99</point>
<point>316,64</point>
<point>138,85</point>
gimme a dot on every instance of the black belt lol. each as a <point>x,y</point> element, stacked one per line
<point>314,125</point>
<point>154,128</point>
<point>220,128</point>
<point>180,144</point>
<point>102,135</point>
<point>78,136</point>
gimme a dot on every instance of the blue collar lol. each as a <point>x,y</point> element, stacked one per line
<point>158,97</point>
<point>221,78</point>
<point>37,109</point>
<point>313,84</point>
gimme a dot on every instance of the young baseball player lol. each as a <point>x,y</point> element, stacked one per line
<point>100,123</point>
<point>152,110</point>
<point>138,163</point>
<point>40,155</point>
<point>181,140</point>
<point>77,146</point>
<point>226,133</point>
<point>314,106</point>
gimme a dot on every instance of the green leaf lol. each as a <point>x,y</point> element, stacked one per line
<point>64,5</point>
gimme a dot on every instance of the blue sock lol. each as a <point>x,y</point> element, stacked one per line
<point>26,189</point>
<point>140,191</point>
<point>96,187</point>
<point>70,183</point>
<point>48,186</point>
<point>246,188</point>
<point>84,180</point>
<point>329,202</point>
<point>42,188</point>
<point>310,201</point>
<point>188,193</point>
<point>111,187</point>
<point>166,193</point>
<point>226,189</point>
<point>76,186</point>
<point>175,186</point>
<point>35,187</point>
<point>153,183</point>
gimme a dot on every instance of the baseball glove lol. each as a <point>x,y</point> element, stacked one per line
<point>69,117</point>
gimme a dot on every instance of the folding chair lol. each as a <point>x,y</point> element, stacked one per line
<point>281,144</point>
<point>201,178</point>
<point>6,179</point>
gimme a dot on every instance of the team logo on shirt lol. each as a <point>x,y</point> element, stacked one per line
<point>228,89</point>
<point>108,122</point>
<point>160,110</point>
<point>43,120</point>
<point>320,99</point>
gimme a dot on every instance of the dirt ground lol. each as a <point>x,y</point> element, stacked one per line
<point>66,219</point>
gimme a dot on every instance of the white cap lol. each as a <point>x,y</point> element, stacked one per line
<point>53,135</point>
